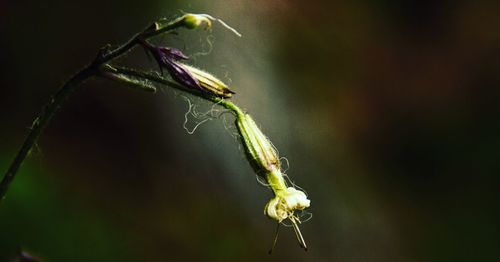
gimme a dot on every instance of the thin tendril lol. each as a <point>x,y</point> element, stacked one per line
<point>261,181</point>
<point>186,118</point>
<point>287,163</point>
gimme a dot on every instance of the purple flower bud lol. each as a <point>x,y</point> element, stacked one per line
<point>167,58</point>
<point>174,54</point>
<point>179,73</point>
<point>187,76</point>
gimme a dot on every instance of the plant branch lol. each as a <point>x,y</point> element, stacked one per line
<point>134,82</point>
<point>261,154</point>
<point>104,56</point>
<point>164,81</point>
<point>40,123</point>
<point>151,31</point>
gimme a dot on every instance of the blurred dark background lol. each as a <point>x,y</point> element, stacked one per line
<point>388,112</point>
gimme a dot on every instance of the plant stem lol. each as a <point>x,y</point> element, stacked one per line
<point>151,31</point>
<point>144,85</point>
<point>161,80</point>
<point>41,122</point>
<point>69,87</point>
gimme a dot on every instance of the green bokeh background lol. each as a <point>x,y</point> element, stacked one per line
<point>388,112</point>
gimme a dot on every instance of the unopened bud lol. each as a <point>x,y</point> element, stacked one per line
<point>259,150</point>
<point>193,21</point>
<point>209,83</point>
<point>192,78</point>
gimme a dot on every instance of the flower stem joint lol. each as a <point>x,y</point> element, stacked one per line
<point>265,162</point>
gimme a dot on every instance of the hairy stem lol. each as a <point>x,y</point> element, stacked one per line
<point>140,84</point>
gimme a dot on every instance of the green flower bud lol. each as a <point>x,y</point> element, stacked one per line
<point>259,150</point>
<point>193,21</point>
<point>209,83</point>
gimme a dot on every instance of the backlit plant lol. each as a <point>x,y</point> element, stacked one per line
<point>261,154</point>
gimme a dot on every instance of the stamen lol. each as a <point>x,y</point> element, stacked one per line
<point>298,234</point>
<point>275,238</point>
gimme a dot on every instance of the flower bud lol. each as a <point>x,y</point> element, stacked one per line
<point>193,21</point>
<point>192,78</point>
<point>259,150</point>
<point>208,82</point>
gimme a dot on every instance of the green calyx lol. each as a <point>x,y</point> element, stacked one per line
<point>260,152</point>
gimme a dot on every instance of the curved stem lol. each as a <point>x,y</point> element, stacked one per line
<point>103,57</point>
<point>151,31</point>
<point>41,122</point>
